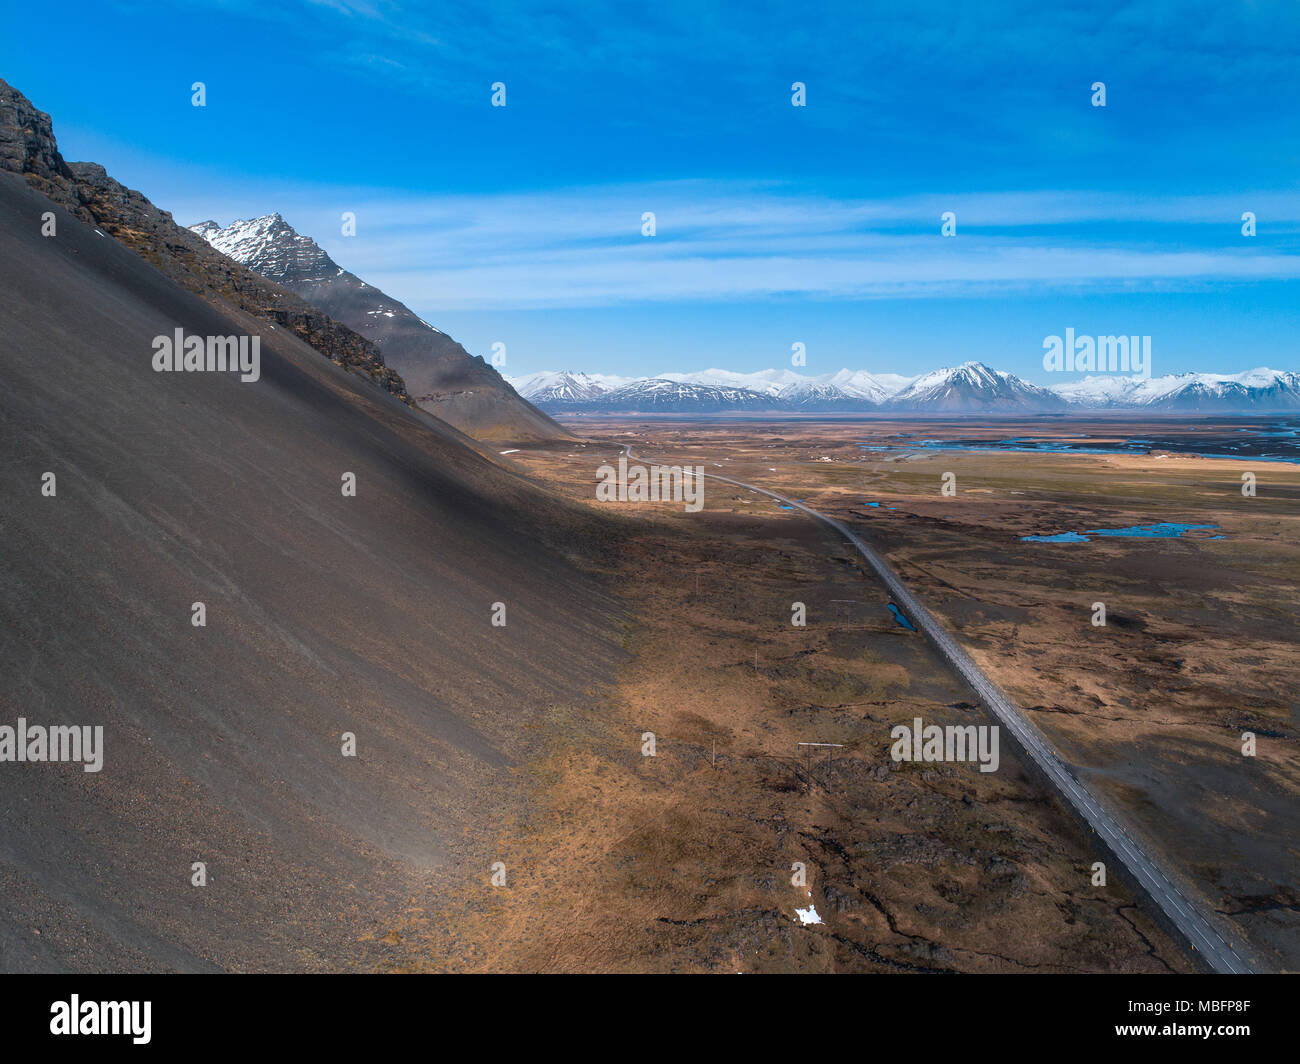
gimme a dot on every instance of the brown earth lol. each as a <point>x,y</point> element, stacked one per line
<point>616,861</point>
<point>1198,648</point>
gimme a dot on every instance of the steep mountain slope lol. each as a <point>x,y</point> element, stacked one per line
<point>441,375</point>
<point>325,614</point>
<point>28,148</point>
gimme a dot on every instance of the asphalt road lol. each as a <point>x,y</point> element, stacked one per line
<point>1206,940</point>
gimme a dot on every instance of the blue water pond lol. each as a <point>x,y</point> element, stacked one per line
<point>898,616</point>
<point>1161,530</point>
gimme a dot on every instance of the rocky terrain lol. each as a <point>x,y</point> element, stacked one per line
<point>442,376</point>
<point>28,148</point>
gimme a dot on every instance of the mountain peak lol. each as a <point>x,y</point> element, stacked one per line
<point>978,370</point>
<point>442,376</point>
<point>272,247</point>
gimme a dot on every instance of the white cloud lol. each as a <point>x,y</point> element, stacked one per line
<point>735,242</point>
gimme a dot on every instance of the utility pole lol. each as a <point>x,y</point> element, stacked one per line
<point>830,764</point>
<point>847,603</point>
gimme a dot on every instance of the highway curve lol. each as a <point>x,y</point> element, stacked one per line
<point>1158,884</point>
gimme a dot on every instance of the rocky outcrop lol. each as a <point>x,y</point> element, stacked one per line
<point>27,143</point>
<point>28,147</point>
<point>443,377</point>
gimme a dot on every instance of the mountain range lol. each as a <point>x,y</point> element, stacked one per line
<point>971,388</point>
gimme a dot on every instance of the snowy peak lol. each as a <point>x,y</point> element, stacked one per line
<point>440,374</point>
<point>661,394</point>
<point>973,387</point>
<point>565,386</point>
<point>874,386</point>
<point>974,375</point>
<point>1253,390</point>
<point>765,382</point>
<point>845,386</point>
<point>272,247</point>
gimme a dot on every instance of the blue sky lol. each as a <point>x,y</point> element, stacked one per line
<point>775,224</point>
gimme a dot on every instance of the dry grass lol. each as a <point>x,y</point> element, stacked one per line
<point>620,862</point>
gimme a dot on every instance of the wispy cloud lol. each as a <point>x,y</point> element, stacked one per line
<point>584,247</point>
<point>786,219</point>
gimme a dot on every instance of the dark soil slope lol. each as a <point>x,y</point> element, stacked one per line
<point>325,614</point>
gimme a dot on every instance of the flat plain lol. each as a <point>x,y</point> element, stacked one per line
<point>687,860</point>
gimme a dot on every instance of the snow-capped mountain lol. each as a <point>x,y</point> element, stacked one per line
<point>436,367</point>
<point>271,247</point>
<point>658,395</point>
<point>795,387</point>
<point>764,382</point>
<point>1254,390</point>
<point>818,395</point>
<point>565,390</point>
<point>563,387</point>
<point>845,390</point>
<point>874,386</point>
<point>972,387</point>
<point>441,376</point>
